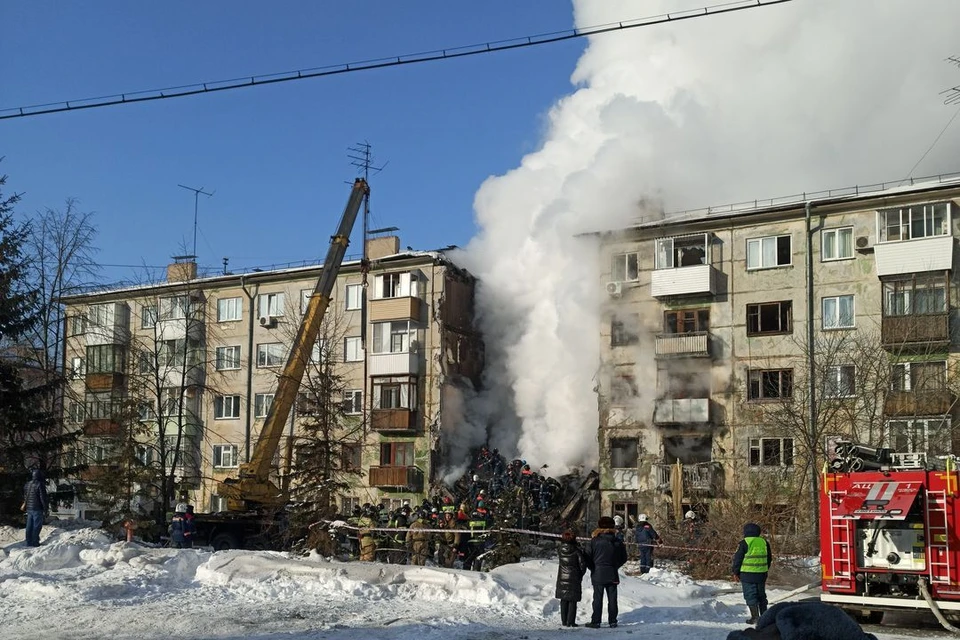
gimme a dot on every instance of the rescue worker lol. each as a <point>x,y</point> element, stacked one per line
<point>365,525</point>
<point>418,540</point>
<point>180,528</point>
<point>476,544</point>
<point>448,506</point>
<point>449,540</point>
<point>751,564</point>
<point>647,538</point>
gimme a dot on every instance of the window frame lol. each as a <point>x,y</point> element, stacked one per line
<point>392,452</point>
<point>357,355</point>
<point>621,335</point>
<point>759,242</point>
<point>351,456</point>
<point>226,406</point>
<point>781,316</point>
<point>834,378</point>
<point>680,318</point>
<point>272,304</point>
<point>149,316</point>
<point>838,316</point>
<point>78,367</point>
<point>625,257</point>
<point>217,459</point>
<point>901,293</point>
<point>358,288</point>
<point>404,390</point>
<point>785,380</point>
<point>905,225</point>
<point>352,403</point>
<point>220,360</point>
<point>836,232</point>
<point>784,459</point>
<point>261,406</point>
<point>617,445</point>
<point>224,305</point>
<point>668,255</point>
<point>267,352</point>
<point>906,382</point>
<point>941,422</point>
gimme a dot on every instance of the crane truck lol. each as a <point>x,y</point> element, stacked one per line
<point>255,503</point>
<point>890,533</point>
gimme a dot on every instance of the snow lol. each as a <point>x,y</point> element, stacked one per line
<point>81,584</point>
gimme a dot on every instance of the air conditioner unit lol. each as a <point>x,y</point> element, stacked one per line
<point>615,289</point>
<point>862,242</point>
<point>267,321</point>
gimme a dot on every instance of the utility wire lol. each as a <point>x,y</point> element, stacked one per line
<point>936,140</point>
<point>376,63</point>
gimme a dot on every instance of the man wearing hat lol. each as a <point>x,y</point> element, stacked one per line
<point>605,554</point>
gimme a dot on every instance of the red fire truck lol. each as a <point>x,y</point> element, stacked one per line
<point>888,533</point>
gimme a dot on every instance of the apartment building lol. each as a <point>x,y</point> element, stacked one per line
<point>192,364</point>
<point>709,382</point>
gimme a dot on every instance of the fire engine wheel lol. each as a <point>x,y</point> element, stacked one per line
<point>224,541</point>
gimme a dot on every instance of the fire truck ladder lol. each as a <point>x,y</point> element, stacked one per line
<point>841,562</point>
<point>938,537</point>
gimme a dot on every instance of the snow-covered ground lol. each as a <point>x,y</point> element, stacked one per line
<point>82,584</point>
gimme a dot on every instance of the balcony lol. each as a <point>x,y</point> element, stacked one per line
<point>698,478</point>
<point>112,381</point>
<point>682,281</point>
<point>918,403</point>
<point>929,330</point>
<point>672,345</point>
<point>393,420</point>
<point>108,324</point>
<point>401,478</point>
<point>914,256</point>
<point>405,308</point>
<point>681,410</point>
<point>394,364</point>
<point>101,427</point>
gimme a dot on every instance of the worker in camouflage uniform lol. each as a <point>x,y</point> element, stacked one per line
<point>418,540</point>
<point>368,544</point>
<point>449,540</point>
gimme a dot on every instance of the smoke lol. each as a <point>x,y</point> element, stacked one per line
<point>765,102</point>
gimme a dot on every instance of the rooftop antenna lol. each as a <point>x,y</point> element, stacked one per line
<point>196,196</point>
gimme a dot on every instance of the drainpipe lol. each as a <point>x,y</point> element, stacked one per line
<point>250,364</point>
<point>811,367</point>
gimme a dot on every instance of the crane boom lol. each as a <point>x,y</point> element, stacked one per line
<point>253,487</point>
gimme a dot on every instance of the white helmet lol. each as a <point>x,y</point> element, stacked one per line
<point>181,507</point>
<point>642,517</point>
<point>690,515</point>
<point>617,520</point>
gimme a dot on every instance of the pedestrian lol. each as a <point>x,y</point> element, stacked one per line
<point>181,529</point>
<point>605,554</point>
<point>35,503</point>
<point>191,527</point>
<point>572,567</point>
<point>751,563</point>
<point>647,538</point>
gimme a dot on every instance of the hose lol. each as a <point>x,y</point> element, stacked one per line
<point>936,609</point>
<point>796,591</point>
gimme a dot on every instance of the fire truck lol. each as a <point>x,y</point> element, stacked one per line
<point>888,533</point>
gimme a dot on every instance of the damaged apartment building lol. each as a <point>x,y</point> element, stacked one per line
<point>210,349</point>
<point>708,384</point>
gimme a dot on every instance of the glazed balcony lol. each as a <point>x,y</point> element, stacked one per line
<point>681,410</point>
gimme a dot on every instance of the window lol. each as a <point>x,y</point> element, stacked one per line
<point>104,358</point>
<point>913,223</point>
<point>100,406</point>
<point>348,504</point>
<point>686,321</point>
<point>145,362</point>
<point>175,308</point>
<point>840,381</point>
<point>78,368</point>
<point>394,392</point>
<point>769,384</point>
<point>391,285</point>
<point>623,388</point>
<point>146,411</point>
<point>270,304</point>
<point>171,399</point>
<point>352,349</point>
<point>396,454</point>
<point>836,244</point>
<point>626,267</point>
<point>229,309</point>
<point>308,404</point>
<point>838,312</point>
<point>925,435</point>
<point>919,376</point>
<point>915,295</point>
<point>353,401</point>
<point>261,404</point>
<point>769,252</point>
<point>170,353</point>
<point>225,455</point>
<point>770,318</point>
<point>218,504</point>
<point>228,358</point>
<point>318,354</point>
<point>350,456</point>
<point>76,325</point>
<point>771,452</point>
<point>686,251</point>
<point>226,407</point>
<point>305,295</point>
<point>624,332</point>
<point>99,315</point>
<point>392,337</point>
<point>270,354</point>
<point>396,285</point>
<point>148,316</point>
<point>353,296</point>
<point>75,411</point>
<point>623,453</point>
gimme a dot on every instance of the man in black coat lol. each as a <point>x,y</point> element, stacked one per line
<point>35,505</point>
<point>605,554</point>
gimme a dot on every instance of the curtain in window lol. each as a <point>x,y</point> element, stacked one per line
<point>769,252</point>
<point>844,243</point>
<point>846,311</point>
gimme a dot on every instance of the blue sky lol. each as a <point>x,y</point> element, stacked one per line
<point>275,156</point>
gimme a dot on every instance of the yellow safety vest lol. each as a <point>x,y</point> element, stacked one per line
<point>755,560</point>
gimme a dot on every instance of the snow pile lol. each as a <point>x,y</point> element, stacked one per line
<point>81,584</point>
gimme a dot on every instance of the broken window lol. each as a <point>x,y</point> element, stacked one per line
<point>623,388</point>
<point>623,332</point>
<point>769,384</point>
<point>623,453</point>
<point>684,251</point>
<point>626,267</point>
<point>686,321</point>
<point>770,317</point>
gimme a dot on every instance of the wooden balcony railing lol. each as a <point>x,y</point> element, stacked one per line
<point>906,331</point>
<point>393,420</point>
<point>405,478</point>
<point>935,402</point>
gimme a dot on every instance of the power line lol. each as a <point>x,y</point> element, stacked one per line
<point>934,143</point>
<point>376,63</point>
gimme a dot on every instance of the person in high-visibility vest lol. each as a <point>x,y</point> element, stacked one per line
<point>751,563</point>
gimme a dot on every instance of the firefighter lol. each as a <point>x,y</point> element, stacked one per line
<point>418,540</point>
<point>365,524</point>
<point>751,563</point>
<point>449,540</point>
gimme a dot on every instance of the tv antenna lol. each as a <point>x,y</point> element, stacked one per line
<point>196,196</point>
<point>361,155</point>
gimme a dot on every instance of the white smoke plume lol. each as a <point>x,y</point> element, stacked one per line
<point>803,96</point>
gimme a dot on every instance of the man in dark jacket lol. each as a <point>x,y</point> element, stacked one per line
<point>751,563</point>
<point>570,572</point>
<point>35,505</point>
<point>647,538</point>
<point>605,554</point>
